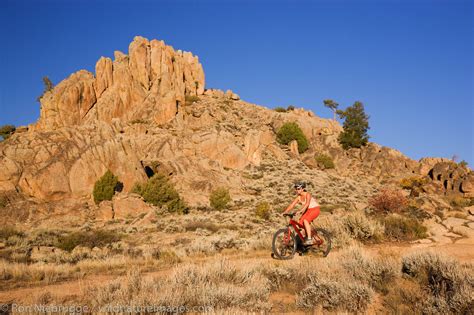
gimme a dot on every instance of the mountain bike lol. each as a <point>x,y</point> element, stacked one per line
<point>288,240</point>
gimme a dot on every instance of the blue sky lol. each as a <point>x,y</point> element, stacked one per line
<point>409,62</point>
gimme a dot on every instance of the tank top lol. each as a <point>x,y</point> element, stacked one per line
<point>312,203</point>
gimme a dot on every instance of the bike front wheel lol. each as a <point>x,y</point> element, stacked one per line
<point>284,244</point>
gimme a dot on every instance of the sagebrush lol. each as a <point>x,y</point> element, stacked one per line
<point>448,283</point>
<point>95,238</point>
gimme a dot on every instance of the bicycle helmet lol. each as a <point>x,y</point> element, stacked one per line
<point>299,185</point>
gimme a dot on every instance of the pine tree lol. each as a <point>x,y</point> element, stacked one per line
<point>6,131</point>
<point>332,106</point>
<point>355,126</point>
<point>105,187</point>
<point>48,86</point>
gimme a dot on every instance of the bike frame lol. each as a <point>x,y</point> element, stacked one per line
<point>296,226</point>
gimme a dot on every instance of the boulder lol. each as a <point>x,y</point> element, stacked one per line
<point>454,222</point>
<point>104,211</point>
<point>129,206</point>
<point>294,148</point>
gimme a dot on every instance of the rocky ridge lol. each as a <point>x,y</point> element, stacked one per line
<point>148,83</point>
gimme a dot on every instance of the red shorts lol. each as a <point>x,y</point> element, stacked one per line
<point>310,215</point>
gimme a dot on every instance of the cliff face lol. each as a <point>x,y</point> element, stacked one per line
<point>136,117</point>
<point>150,83</point>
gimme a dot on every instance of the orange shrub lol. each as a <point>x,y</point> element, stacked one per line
<point>388,201</point>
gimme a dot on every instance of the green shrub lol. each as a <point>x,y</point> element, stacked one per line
<point>403,229</point>
<point>6,131</point>
<point>263,210</point>
<point>219,198</point>
<point>90,239</point>
<point>290,108</point>
<point>160,192</point>
<point>412,182</point>
<point>190,99</point>
<point>324,161</point>
<point>105,187</point>
<point>280,109</point>
<point>291,131</point>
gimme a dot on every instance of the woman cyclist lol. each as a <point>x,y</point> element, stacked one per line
<point>310,209</point>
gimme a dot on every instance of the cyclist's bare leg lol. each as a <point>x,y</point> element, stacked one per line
<point>307,227</point>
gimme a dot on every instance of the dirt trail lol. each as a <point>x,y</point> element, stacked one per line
<point>462,252</point>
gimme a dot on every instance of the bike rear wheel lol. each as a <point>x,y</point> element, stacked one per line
<point>284,244</point>
<point>322,241</point>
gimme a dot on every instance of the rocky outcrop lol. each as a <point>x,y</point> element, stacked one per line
<point>136,117</point>
<point>150,83</point>
<point>64,163</point>
<point>450,178</point>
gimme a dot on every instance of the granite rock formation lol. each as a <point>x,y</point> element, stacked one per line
<point>149,112</point>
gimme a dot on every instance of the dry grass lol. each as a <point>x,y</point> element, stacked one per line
<point>47,273</point>
<point>44,273</point>
<point>220,285</point>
